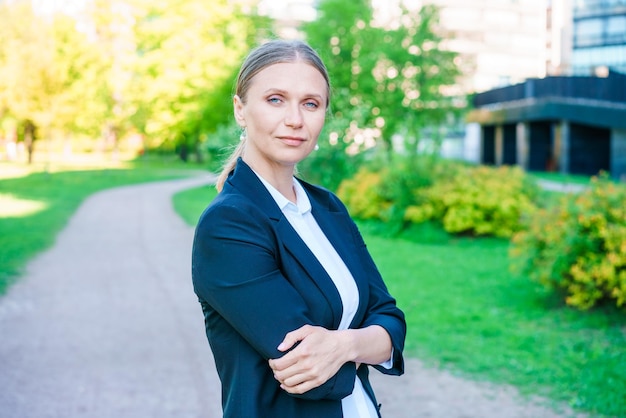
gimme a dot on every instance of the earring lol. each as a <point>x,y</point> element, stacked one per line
<point>243,135</point>
<point>316,147</point>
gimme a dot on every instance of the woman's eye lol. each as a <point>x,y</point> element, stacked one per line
<point>311,105</point>
<point>274,100</point>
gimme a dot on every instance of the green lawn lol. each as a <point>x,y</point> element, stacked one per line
<point>35,207</point>
<point>561,178</point>
<point>466,313</point>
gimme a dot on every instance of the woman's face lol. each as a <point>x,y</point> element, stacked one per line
<point>283,114</point>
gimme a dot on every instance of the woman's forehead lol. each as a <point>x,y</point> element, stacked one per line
<point>297,79</point>
<point>288,72</point>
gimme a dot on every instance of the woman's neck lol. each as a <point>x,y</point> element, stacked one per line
<point>279,176</point>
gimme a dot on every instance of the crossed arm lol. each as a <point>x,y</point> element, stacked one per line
<point>321,353</point>
<point>235,271</point>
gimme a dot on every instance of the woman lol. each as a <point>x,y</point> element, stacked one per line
<point>295,309</point>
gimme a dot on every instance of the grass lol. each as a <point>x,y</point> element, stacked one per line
<point>36,204</point>
<point>561,178</point>
<point>189,204</point>
<point>466,313</point>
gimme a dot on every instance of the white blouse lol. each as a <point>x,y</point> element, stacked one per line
<point>358,404</point>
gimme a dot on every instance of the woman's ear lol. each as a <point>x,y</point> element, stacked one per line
<point>238,110</point>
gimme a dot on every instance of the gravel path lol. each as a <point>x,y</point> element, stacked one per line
<point>105,325</point>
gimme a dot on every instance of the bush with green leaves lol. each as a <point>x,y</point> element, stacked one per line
<point>383,189</point>
<point>578,247</point>
<point>403,178</point>
<point>478,200</point>
<point>361,195</point>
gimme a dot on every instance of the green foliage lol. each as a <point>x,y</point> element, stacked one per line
<point>404,176</point>
<point>186,56</point>
<point>332,162</point>
<point>160,69</point>
<point>50,73</point>
<point>361,195</point>
<point>382,91</point>
<point>220,144</point>
<point>578,247</point>
<point>478,201</point>
<point>384,190</point>
<point>464,199</point>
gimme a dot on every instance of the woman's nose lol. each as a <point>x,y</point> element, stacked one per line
<point>293,116</point>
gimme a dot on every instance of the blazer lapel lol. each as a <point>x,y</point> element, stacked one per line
<point>247,182</point>
<point>294,245</point>
<point>336,227</point>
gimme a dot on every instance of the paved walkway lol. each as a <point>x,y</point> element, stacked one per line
<point>105,325</point>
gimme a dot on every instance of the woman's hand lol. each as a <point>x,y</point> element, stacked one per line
<point>318,356</point>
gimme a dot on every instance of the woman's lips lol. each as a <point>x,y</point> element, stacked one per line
<point>292,140</point>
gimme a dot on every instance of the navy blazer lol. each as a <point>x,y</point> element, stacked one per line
<point>256,280</point>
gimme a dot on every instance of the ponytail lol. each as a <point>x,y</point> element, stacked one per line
<point>230,164</point>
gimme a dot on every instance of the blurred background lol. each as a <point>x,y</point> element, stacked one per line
<point>535,83</point>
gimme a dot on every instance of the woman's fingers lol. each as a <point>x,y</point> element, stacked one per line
<point>291,339</point>
<point>294,337</point>
<point>304,384</point>
<point>315,360</point>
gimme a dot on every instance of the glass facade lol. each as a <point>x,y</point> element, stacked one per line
<point>599,36</point>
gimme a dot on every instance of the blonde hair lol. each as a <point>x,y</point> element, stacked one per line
<point>273,52</point>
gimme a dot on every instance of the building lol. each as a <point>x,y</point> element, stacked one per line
<point>574,120</point>
<point>599,37</point>
<point>566,124</point>
<point>499,42</point>
<point>559,27</point>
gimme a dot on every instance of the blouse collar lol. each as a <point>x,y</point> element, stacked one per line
<point>302,205</point>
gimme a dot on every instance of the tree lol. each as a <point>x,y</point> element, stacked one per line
<point>49,73</point>
<point>186,52</point>
<point>162,68</point>
<point>28,82</point>
<point>388,77</point>
<point>81,70</point>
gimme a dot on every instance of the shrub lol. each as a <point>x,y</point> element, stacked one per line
<point>382,190</point>
<point>400,181</point>
<point>579,246</point>
<point>361,195</point>
<point>478,200</point>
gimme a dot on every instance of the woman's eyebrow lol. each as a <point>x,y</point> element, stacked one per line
<point>273,90</point>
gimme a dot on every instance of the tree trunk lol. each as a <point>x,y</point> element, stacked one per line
<point>29,139</point>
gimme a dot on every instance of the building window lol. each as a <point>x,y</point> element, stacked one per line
<point>588,32</point>
<point>616,30</point>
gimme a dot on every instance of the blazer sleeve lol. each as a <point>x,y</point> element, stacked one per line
<point>381,309</point>
<point>235,270</point>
